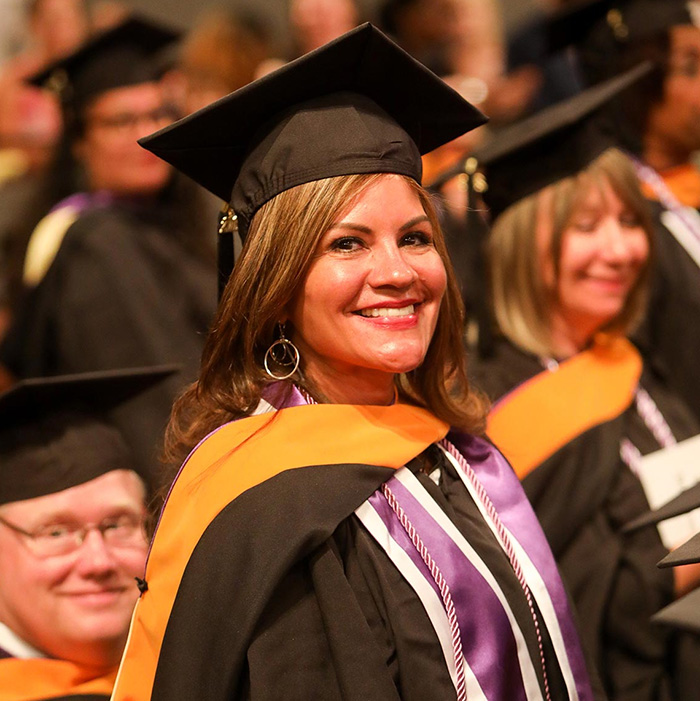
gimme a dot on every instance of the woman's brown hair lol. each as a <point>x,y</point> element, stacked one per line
<point>279,248</point>
<point>521,301</point>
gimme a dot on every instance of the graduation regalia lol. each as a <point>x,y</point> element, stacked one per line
<point>120,292</point>
<point>40,679</point>
<point>312,601</point>
<point>584,495</point>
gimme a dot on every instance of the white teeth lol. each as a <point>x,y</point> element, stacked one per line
<point>388,311</point>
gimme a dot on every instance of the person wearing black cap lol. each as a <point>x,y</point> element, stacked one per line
<point>661,120</point>
<point>121,275</point>
<point>326,539</point>
<point>569,262</point>
<point>72,535</point>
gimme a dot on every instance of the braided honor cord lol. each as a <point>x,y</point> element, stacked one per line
<point>442,586</point>
<point>507,546</point>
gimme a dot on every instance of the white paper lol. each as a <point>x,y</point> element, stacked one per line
<point>666,473</point>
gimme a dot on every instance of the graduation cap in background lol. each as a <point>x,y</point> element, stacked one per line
<point>633,20</point>
<point>625,28</point>
<point>55,431</point>
<point>359,104</point>
<point>684,613</point>
<point>550,33</point>
<point>681,504</point>
<point>553,144</point>
<point>127,54</point>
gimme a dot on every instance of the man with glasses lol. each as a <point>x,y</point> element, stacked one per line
<point>72,537</point>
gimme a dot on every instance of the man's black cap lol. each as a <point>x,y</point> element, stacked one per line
<point>55,431</point>
<point>121,56</point>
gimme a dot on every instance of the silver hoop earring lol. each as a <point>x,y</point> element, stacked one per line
<point>284,354</point>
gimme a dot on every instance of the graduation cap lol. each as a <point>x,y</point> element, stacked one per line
<point>686,501</point>
<point>124,55</point>
<point>683,614</point>
<point>685,554</point>
<point>54,432</point>
<point>359,104</point>
<point>549,34</point>
<point>629,21</point>
<point>551,145</point>
<point>631,30</point>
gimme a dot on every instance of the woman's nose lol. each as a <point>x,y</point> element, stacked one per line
<point>391,267</point>
<point>616,242</point>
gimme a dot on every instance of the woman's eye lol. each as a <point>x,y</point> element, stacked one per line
<point>688,67</point>
<point>417,238</point>
<point>584,225</point>
<point>629,221</point>
<point>346,243</point>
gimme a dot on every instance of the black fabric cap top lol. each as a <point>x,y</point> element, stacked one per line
<point>683,614</point>
<point>629,21</point>
<point>549,146</point>
<point>55,434</point>
<point>685,554</point>
<point>572,21</point>
<point>121,56</point>
<point>686,501</point>
<point>548,34</point>
<point>359,104</point>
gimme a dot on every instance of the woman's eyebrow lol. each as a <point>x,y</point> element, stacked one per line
<point>367,230</point>
<point>354,227</point>
<point>416,220</point>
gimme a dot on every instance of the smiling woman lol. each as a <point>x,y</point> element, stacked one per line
<point>575,410</point>
<point>358,551</point>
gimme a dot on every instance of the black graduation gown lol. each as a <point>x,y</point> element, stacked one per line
<point>669,338</point>
<point>583,494</point>
<point>121,292</point>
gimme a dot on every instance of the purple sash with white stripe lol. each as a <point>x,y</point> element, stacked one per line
<point>496,662</point>
<point>516,513</point>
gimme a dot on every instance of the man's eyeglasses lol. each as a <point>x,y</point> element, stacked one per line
<point>56,539</point>
<point>126,121</point>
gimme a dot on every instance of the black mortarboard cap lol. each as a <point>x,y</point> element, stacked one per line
<point>685,554</point>
<point>124,55</point>
<point>556,143</point>
<point>359,104</point>
<point>683,503</point>
<point>55,431</point>
<point>683,614</point>
<point>627,27</point>
<point>550,33</point>
<point>629,21</point>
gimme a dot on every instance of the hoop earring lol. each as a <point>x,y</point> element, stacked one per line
<point>284,353</point>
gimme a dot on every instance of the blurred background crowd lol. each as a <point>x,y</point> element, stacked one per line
<point>108,257</point>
